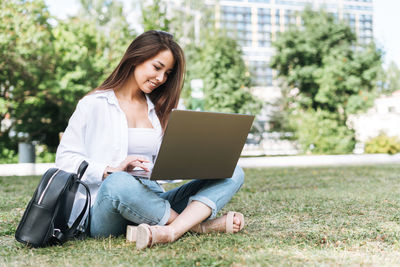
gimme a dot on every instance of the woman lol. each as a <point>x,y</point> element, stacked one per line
<point>118,127</point>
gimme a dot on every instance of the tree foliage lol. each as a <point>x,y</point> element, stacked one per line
<point>320,131</point>
<point>329,73</point>
<point>110,21</point>
<point>390,79</point>
<point>210,56</point>
<point>154,16</point>
<point>51,67</point>
<point>27,62</point>
<point>219,63</point>
<point>383,144</point>
<point>47,67</point>
<point>103,12</point>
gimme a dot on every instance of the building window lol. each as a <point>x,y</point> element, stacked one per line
<point>289,17</point>
<point>277,18</point>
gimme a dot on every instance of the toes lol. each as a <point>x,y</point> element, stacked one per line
<point>236,228</point>
<point>236,222</point>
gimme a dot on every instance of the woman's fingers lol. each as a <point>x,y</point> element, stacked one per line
<point>131,162</point>
<point>136,158</point>
<point>134,164</point>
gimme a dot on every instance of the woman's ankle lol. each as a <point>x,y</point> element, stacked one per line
<point>198,228</point>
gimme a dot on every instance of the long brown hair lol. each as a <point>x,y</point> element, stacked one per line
<point>144,47</point>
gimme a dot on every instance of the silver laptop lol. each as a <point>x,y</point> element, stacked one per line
<point>199,145</point>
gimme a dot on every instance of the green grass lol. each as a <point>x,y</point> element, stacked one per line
<point>295,216</point>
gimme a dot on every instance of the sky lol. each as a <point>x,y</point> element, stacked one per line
<point>386,23</point>
<point>386,28</point>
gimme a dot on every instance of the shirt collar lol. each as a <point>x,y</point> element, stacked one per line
<point>109,95</point>
<point>150,105</point>
<point>112,98</point>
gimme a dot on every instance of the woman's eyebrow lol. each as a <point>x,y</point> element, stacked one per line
<point>159,62</point>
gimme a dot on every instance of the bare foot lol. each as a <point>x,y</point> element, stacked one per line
<point>232,222</point>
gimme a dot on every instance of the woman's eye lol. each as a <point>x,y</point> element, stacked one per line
<point>157,68</point>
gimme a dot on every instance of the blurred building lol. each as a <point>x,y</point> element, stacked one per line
<point>255,24</point>
<point>383,117</point>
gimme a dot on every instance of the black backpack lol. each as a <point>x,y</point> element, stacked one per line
<point>45,220</point>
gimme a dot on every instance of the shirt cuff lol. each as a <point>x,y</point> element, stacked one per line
<point>94,172</point>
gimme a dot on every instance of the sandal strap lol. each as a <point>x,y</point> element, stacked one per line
<point>131,233</point>
<point>143,236</point>
<point>229,222</point>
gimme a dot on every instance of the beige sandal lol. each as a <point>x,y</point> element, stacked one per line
<point>148,236</point>
<point>205,227</point>
<point>216,224</point>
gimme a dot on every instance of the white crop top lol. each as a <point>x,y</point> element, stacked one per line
<point>143,142</point>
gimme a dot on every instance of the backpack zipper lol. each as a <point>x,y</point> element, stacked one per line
<point>47,187</point>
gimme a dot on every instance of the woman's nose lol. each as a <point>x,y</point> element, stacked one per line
<point>160,77</point>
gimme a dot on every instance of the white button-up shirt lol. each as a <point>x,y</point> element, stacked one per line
<point>98,133</point>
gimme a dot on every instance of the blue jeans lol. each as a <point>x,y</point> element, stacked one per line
<point>126,200</point>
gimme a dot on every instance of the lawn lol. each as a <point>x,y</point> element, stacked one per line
<point>295,216</point>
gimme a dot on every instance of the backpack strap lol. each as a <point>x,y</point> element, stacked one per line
<point>72,231</point>
<point>85,208</point>
<point>82,168</point>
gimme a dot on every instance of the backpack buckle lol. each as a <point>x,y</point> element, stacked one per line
<point>57,234</point>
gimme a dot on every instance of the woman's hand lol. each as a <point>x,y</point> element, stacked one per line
<point>128,165</point>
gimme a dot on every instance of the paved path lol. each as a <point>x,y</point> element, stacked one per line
<point>21,169</point>
<point>252,162</point>
<point>323,160</point>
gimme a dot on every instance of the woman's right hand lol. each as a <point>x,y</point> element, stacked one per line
<point>128,165</point>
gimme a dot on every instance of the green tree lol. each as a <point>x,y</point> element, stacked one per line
<point>390,79</point>
<point>102,12</point>
<point>27,64</point>
<point>88,46</point>
<point>210,56</point>
<point>193,29</point>
<point>109,20</point>
<point>219,63</point>
<point>154,16</point>
<point>328,73</point>
<point>80,66</point>
<point>46,70</point>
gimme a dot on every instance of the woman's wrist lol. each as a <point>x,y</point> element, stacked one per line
<point>107,171</point>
